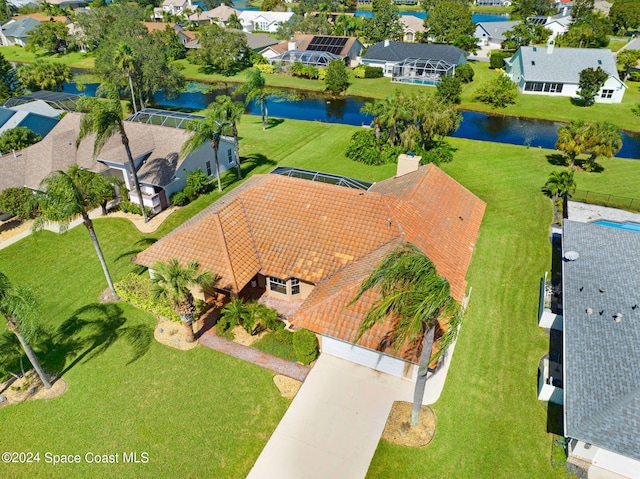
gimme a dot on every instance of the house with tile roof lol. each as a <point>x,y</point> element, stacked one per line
<point>419,63</point>
<point>314,243</point>
<point>556,71</point>
<point>333,47</point>
<point>155,150</point>
<point>601,364</point>
<point>411,25</point>
<point>219,15</point>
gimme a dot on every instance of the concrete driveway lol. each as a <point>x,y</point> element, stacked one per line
<point>332,428</point>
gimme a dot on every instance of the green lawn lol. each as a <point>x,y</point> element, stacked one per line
<point>84,61</point>
<point>202,414</point>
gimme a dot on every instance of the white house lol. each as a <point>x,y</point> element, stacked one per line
<point>412,25</point>
<point>491,34</point>
<point>173,7</point>
<point>263,21</point>
<point>15,32</point>
<point>600,378</point>
<point>556,71</point>
<point>219,15</point>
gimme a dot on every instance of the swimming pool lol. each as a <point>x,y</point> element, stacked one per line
<point>627,225</point>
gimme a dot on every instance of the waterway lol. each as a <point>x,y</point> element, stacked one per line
<point>313,106</point>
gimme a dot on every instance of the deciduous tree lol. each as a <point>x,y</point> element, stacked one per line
<point>221,50</point>
<point>591,81</point>
<point>448,21</point>
<point>499,92</point>
<point>336,80</point>
<point>385,24</point>
<point>17,138</point>
<point>49,36</point>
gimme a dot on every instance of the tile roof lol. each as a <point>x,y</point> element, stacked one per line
<point>222,13</point>
<point>601,356</point>
<point>398,51</point>
<point>413,23</point>
<point>44,18</point>
<point>330,236</point>
<point>157,26</point>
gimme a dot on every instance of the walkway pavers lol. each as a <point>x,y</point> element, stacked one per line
<point>274,363</point>
<point>334,424</point>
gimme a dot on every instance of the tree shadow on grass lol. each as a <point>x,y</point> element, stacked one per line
<point>94,328</point>
<point>557,159</point>
<point>139,246</point>
<point>273,122</point>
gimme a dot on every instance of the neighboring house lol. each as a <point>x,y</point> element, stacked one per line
<point>421,63</point>
<point>15,32</point>
<point>184,35</point>
<point>263,21</point>
<point>556,71</point>
<point>155,150</point>
<point>491,34</point>
<point>219,15</point>
<point>558,24</point>
<point>38,116</point>
<point>412,25</point>
<point>493,3</point>
<point>312,243</point>
<point>601,314</point>
<point>173,7</point>
<point>328,48</point>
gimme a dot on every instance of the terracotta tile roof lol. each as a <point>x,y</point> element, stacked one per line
<point>43,18</point>
<point>157,26</point>
<point>330,236</point>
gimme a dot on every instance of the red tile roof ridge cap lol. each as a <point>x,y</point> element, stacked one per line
<point>220,229</point>
<point>253,239</point>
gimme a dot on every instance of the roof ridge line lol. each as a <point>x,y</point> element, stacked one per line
<point>253,240</point>
<point>234,284</point>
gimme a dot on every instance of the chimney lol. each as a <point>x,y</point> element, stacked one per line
<point>386,43</point>
<point>407,163</point>
<point>291,45</point>
<point>550,45</point>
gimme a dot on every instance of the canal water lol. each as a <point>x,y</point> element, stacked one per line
<point>312,106</point>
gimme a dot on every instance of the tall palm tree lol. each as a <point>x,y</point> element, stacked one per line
<point>571,140</point>
<point>18,307</point>
<point>126,61</point>
<point>394,109</point>
<point>255,88</point>
<point>173,282</point>
<point>561,185</point>
<point>414,297</point>
<point>104,117</point>
<point>229,111</point>
<point>209,129</point>
<point>234,22</point>
<point>376,109</point>
<point>66,195</point>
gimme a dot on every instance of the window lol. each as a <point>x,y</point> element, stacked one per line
<point>278,285</point>
<point>606,94</point>
<point>230,157</point>
<point>295,286</point>
<point>208,165</point>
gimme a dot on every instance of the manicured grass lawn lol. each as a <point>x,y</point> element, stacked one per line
<point>616,44</point>
<point>80,60</point>
<point>278,343</point>
<point>203,414</point>
<point>554,108</point>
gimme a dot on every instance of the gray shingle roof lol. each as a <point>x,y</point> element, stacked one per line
<point>398,51</point>
<point>20,28</point>
<point>602,357</point>
<point>563,64</point>
<point>496,29</point>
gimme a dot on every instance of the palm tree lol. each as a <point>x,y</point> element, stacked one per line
<point>173,282</point>
<point>66,195</point>
<point>125,59</point>
<point>571,140</point>
<point>229,111</point>
<point>414,297</point>
<point>18,306</point>
<point>604,140</point>
<point>560,185</point>
<point>234,22</point>
<point>374,108</point>
<point>104,117</point>
<point>393,110</point>
<point>209,129</point>
<point>255,89</point>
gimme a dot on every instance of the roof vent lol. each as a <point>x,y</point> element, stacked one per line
<point>602,290</point>
<point>589,311</point>
<point>571,255</point>
<point>533,63</point>
<point>618,317</point>
<point>599,62</point>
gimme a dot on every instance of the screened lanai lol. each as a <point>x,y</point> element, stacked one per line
<point>154,116</point>
<point>306,57</point>
<point>421,70</point>
<point>58,100</point>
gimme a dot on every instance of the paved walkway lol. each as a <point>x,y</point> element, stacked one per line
<point>334,424</point>
<point>274,363</point>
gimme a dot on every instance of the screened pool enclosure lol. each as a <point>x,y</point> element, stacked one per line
<point>421,70</point>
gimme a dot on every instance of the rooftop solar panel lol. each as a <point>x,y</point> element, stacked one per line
<point>328,44</point>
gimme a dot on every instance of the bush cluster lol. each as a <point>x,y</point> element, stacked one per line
<point>127,206</point>
<point>304,71</point>
<point>365,71</point>
<point>305,345</point>
<point>198,183</point>
<point>252,316</point>
<point>265,67</point>
<point>136,290</point>
<point>464,73</point>
<point>496,60</point>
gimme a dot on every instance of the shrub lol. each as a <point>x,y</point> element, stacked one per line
<point>365,71</point>
<point>20,202</point>
<point>265,67</point>
<point>449,89</point>
<point>499,92</point>
<point>365,148</point>
<point>190,193</point>
<point>439,154</point>
<point>634,76</point>
<point>497,58</point>
<point>129,207</point>
<point>322,73</point>
<point>464,73</point>
<point>199,181</point>
<point>336,79</point>
<point>136,290</point>
<point>18,138</point>
<point>305,345</point>
<point>278,343</point>
<point>179,199</point>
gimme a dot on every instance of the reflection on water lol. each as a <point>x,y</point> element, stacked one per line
<point>311,106</point>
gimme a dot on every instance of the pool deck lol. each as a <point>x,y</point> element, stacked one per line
<point>587,213</point>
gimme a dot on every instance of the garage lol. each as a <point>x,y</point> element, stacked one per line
<point>367,357</point>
